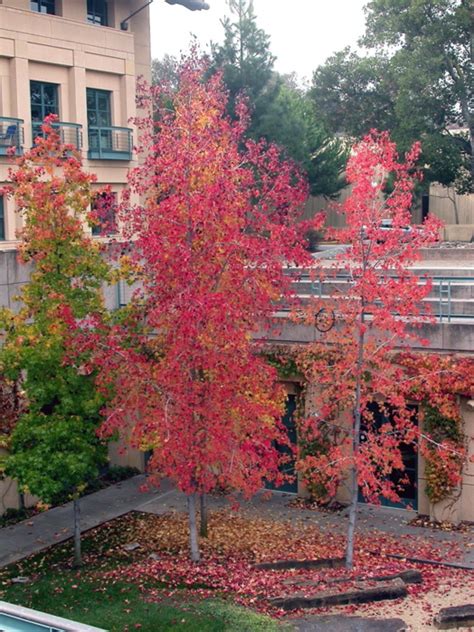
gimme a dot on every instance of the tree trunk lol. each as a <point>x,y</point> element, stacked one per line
<point>203,531</point>
<point>452,197</point>
<point>193,535</point>
<point>355,449</point>
<point>471,138</point>
<point>77,533</point>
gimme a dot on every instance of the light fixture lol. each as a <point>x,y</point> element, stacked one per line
<point>192,5</point>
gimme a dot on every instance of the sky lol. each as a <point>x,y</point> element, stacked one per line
<point>303,32</point>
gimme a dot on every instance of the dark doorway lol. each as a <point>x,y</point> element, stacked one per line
<point>405,480</point>
<point>425,206</point>
<point>288,467</point>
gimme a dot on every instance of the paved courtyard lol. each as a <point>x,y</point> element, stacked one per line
<point>55,525</point>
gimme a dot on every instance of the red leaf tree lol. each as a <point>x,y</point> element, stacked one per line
<point>217,222</point>
<point>377,310</point>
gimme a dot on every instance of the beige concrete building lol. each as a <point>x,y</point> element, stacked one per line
<point>72,58</point>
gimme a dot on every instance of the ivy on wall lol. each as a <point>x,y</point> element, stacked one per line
<point>439,409</point>
<point>442,476</point>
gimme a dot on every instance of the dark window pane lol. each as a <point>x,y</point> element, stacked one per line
<point>98,108</point>
<point>44,100</point>
<point>2,219</point>
<point>103,102</point>
<point>35,114</point>
<point>104,210</point>
<point>104,119</point>
<point>43,6</point>
<point>97,12</point>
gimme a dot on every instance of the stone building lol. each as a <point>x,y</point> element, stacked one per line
<point>78,59</point>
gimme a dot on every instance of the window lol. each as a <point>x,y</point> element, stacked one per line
<point>103,213</point>
<point>98,108</point>
<point>43,6</point>
<point>2,219</point>
<point>99,120</point>
<point>44,101</point>
<point>97,12</point>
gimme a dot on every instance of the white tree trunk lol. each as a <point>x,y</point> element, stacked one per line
<point>77,533</point>
<point>355,448</point>
<point>193,534</point>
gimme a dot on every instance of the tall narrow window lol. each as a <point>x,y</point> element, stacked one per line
<point>44,101</point>
<point>97,12</point>
<point>43,6</point>
<point>99,119</point>
<point>2,219</point>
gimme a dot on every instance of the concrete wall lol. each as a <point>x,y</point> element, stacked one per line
<point>442,203</point>
<point>13,275</point>
<point>9,494</point>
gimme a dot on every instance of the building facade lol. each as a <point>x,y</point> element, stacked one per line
<point>74,59</point>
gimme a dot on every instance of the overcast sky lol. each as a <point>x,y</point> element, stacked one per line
<point>303,32</point>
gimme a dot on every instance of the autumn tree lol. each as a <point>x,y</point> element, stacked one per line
<point>377,310</point>
<point>216,225</point>
<point>54,449</point>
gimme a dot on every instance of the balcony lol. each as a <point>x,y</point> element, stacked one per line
<point>11,135</point>
<point>69,133</point>
<point>110,143</point>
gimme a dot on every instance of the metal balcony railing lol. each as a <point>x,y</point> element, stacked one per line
<point>69,133</point>
<point>451,298</point>
<point>110,143</point>
<point>11,135</point>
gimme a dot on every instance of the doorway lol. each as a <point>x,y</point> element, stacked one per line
<point>288,467</point>
<point>406,481</point>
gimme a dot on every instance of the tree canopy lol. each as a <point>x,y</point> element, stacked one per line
<point>219,215</point>
<point>415,81</point>
<point>280,110</point>
<point>54,448</point>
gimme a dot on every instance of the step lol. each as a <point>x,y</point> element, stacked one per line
<point>361,592</point>
<point>455,617</point>
<point>447,254</point>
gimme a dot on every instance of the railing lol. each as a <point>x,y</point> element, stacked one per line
<point>451,298</point>
<point>448,300</point>
<point>110,143</point>
<point>11,135</point>
<point>69,133</point>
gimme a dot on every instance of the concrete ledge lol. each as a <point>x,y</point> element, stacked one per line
<point>360,593</point>
<point>458,232</point>
<point>455,617</point>
<point>448,254</point>
<point>343,623</point>
<point>43,619</point>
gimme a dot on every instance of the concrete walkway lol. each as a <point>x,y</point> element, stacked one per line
<point>56,525</point>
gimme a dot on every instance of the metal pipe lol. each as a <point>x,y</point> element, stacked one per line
<point>124,23</point>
